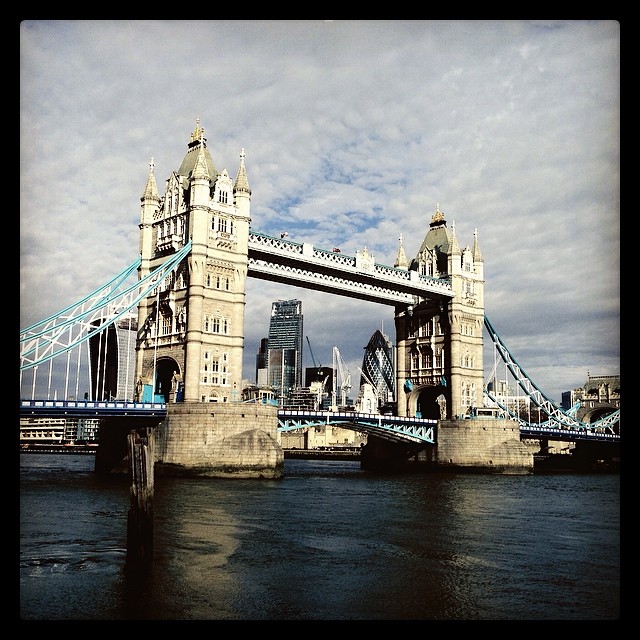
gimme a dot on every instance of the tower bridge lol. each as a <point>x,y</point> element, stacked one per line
<point>197,250</point>
<point>359,276</point>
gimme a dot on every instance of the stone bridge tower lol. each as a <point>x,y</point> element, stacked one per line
<point>439,367</point>
<point>191,330</point>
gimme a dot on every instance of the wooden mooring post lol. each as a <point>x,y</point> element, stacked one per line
<point>140,516</point>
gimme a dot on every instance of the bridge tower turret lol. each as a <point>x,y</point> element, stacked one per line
<point>440,341</point>
<point>149,210</point>
<point>191,329</point>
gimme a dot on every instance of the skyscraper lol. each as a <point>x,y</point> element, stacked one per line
<point>261,362</point>
<point>112,360</point>
<point>284,360</point>
<point>378,369</point>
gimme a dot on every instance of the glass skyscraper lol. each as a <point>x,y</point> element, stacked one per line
<point>284,359</point>
<point>112,360</point>
<point>378,368</point>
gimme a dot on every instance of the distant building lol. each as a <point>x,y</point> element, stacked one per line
<point>112,360</point>
<point>262,358</point>
<point>598,397</point>
<point>377,380</point>
<point>284,347</point>
<point>58,430</point>
<point>320,375</point>
<point>257,393</point>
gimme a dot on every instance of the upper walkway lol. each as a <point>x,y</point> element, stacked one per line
<point>302,264</point>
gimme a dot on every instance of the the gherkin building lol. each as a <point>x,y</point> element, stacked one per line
<point>378,368</point>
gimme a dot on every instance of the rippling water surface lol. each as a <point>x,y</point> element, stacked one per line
<point>326,542</point>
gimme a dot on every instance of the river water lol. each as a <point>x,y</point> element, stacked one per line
<point>326,542</point>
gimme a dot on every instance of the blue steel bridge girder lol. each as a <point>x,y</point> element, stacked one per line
<point>78,323</point>
<point>395,428</point>
<point>555,413</point>
<point>302,264</point>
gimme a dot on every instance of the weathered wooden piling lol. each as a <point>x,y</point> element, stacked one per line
<point>140,516</point>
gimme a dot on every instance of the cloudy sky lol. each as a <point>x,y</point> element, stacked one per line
<point>353,132</point>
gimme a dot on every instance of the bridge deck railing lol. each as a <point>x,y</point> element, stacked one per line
<point>91,405</point>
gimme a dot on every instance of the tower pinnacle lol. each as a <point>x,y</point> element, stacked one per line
<point>242,182</point>
<point>198,132</point>
<point>151,188</point>
<point>401,258</point>
<point>438,216</point>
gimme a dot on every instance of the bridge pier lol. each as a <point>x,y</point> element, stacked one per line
<point>112,454</point>
<point>483,445</point>
<point>219,440</point>
<point>381,454</point>
<point>475,445</point>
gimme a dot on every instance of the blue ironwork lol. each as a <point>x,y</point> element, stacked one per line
<point>556,414</point>
<point>397,428</point>
<point>69,328</point>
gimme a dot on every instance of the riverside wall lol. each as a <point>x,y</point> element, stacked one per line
<point>219,440</point>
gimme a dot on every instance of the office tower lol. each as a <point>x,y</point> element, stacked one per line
<point>284,360</point>
<point>261,362</point>
<point>112,360</point>
<point>378,368</point>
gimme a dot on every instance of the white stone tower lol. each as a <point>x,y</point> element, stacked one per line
<point>191,329</point>
<point>439,367</point>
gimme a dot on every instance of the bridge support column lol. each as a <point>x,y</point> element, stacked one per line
<point>220,440</point>
<point>482,445</point>
<point>112,454</point>
<point>380,454</point>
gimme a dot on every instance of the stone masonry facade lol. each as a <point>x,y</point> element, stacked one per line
<point>219,440</point>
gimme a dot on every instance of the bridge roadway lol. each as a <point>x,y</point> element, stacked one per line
<point>397,428</point>
<point>90,408</point>
<point>302,264</point>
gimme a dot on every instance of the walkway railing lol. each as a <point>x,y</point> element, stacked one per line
<point>84,408</point>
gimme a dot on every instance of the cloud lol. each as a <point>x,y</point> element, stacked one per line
<point>353,131</point>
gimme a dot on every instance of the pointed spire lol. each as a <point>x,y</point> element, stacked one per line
<point>242,182</point>
<point>454,246</point>
<point>477,254</point>
<point>198,132</point>
<point>200,170</point>
<point>151,190</point>
<point>401,259</point>
<point>197,144</point>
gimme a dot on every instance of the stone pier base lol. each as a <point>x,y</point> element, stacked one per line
<point>479,445</point>
<point>483,444</point>
<point>219,441</point>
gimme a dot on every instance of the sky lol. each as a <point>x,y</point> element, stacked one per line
<point>354,131</point>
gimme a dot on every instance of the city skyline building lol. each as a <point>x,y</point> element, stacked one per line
<point>261,362</point>
<point>112,361</point>
<point>284,346</point>
<point>378,368</point>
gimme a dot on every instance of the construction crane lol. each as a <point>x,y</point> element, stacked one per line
<point>315,364</point>
<point>340,367</point>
